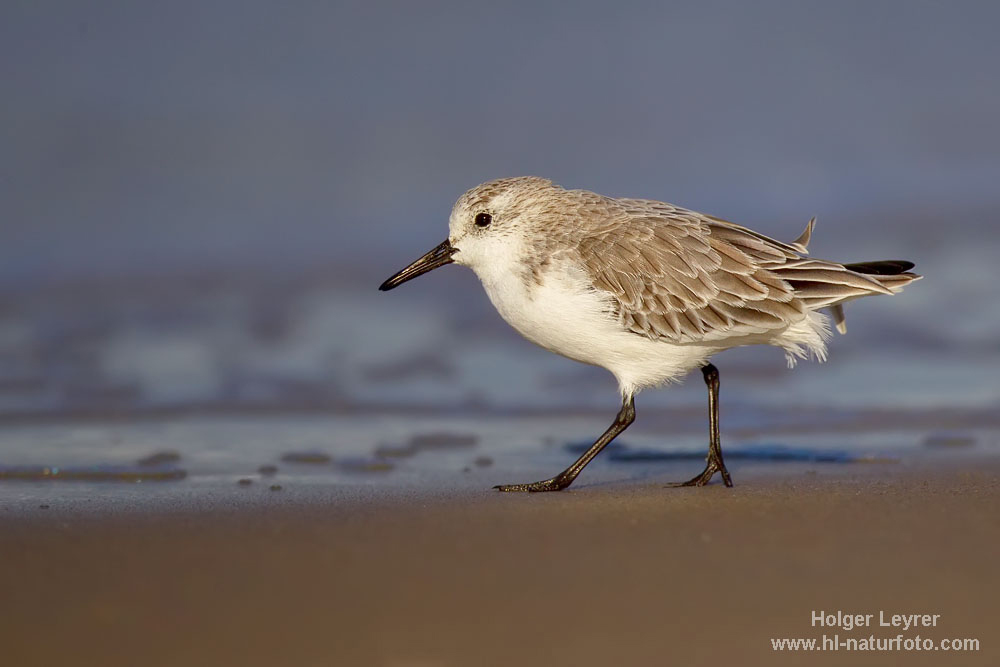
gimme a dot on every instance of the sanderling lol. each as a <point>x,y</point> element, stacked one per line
<point>648,290</point>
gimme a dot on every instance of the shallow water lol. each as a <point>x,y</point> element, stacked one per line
<point>199,384</point>
<point>125,464</point>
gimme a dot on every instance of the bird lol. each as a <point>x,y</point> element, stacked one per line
<point>648,290</point>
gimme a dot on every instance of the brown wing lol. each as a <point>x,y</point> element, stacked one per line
<point>672,278</point>
<point>682,276</point>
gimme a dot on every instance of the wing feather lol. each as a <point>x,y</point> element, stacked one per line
<point>672,278</point>
<point>682,276</point>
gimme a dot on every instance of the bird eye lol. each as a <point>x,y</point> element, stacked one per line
<point>483,220</point>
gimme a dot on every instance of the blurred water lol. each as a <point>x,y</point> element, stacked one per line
<point>225,345</point>
<point>198,200</point>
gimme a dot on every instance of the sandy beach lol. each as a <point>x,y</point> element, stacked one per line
<point>610,573</point>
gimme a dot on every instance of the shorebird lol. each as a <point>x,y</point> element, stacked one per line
<point>648,290</point>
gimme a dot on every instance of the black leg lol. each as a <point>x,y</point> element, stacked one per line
<point>714,462</point>
<point>625,417</point>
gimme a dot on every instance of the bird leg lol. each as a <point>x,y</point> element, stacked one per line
<point>714,462</point>
<point>625,417</point>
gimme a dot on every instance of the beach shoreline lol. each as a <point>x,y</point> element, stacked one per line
<point>610,573</point>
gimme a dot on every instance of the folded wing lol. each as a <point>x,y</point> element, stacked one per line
<point>682,276</point>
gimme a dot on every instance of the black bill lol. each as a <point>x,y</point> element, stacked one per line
<point>439,256</point>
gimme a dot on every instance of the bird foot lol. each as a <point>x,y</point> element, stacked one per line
<point>554,484</point>
<point>713,466</point>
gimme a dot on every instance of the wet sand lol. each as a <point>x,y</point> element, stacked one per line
<point>620,573</point>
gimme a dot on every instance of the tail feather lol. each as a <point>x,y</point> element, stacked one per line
<point>897,282</point>
<point>891,274</point>
<point>828,285</point>
<point>885,267</point>
<point>817,283</point>
<point>838,318</point>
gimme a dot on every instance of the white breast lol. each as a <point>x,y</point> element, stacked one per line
<point>565,315</point>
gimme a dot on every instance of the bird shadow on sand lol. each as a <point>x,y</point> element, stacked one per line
<point>624,453</point>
